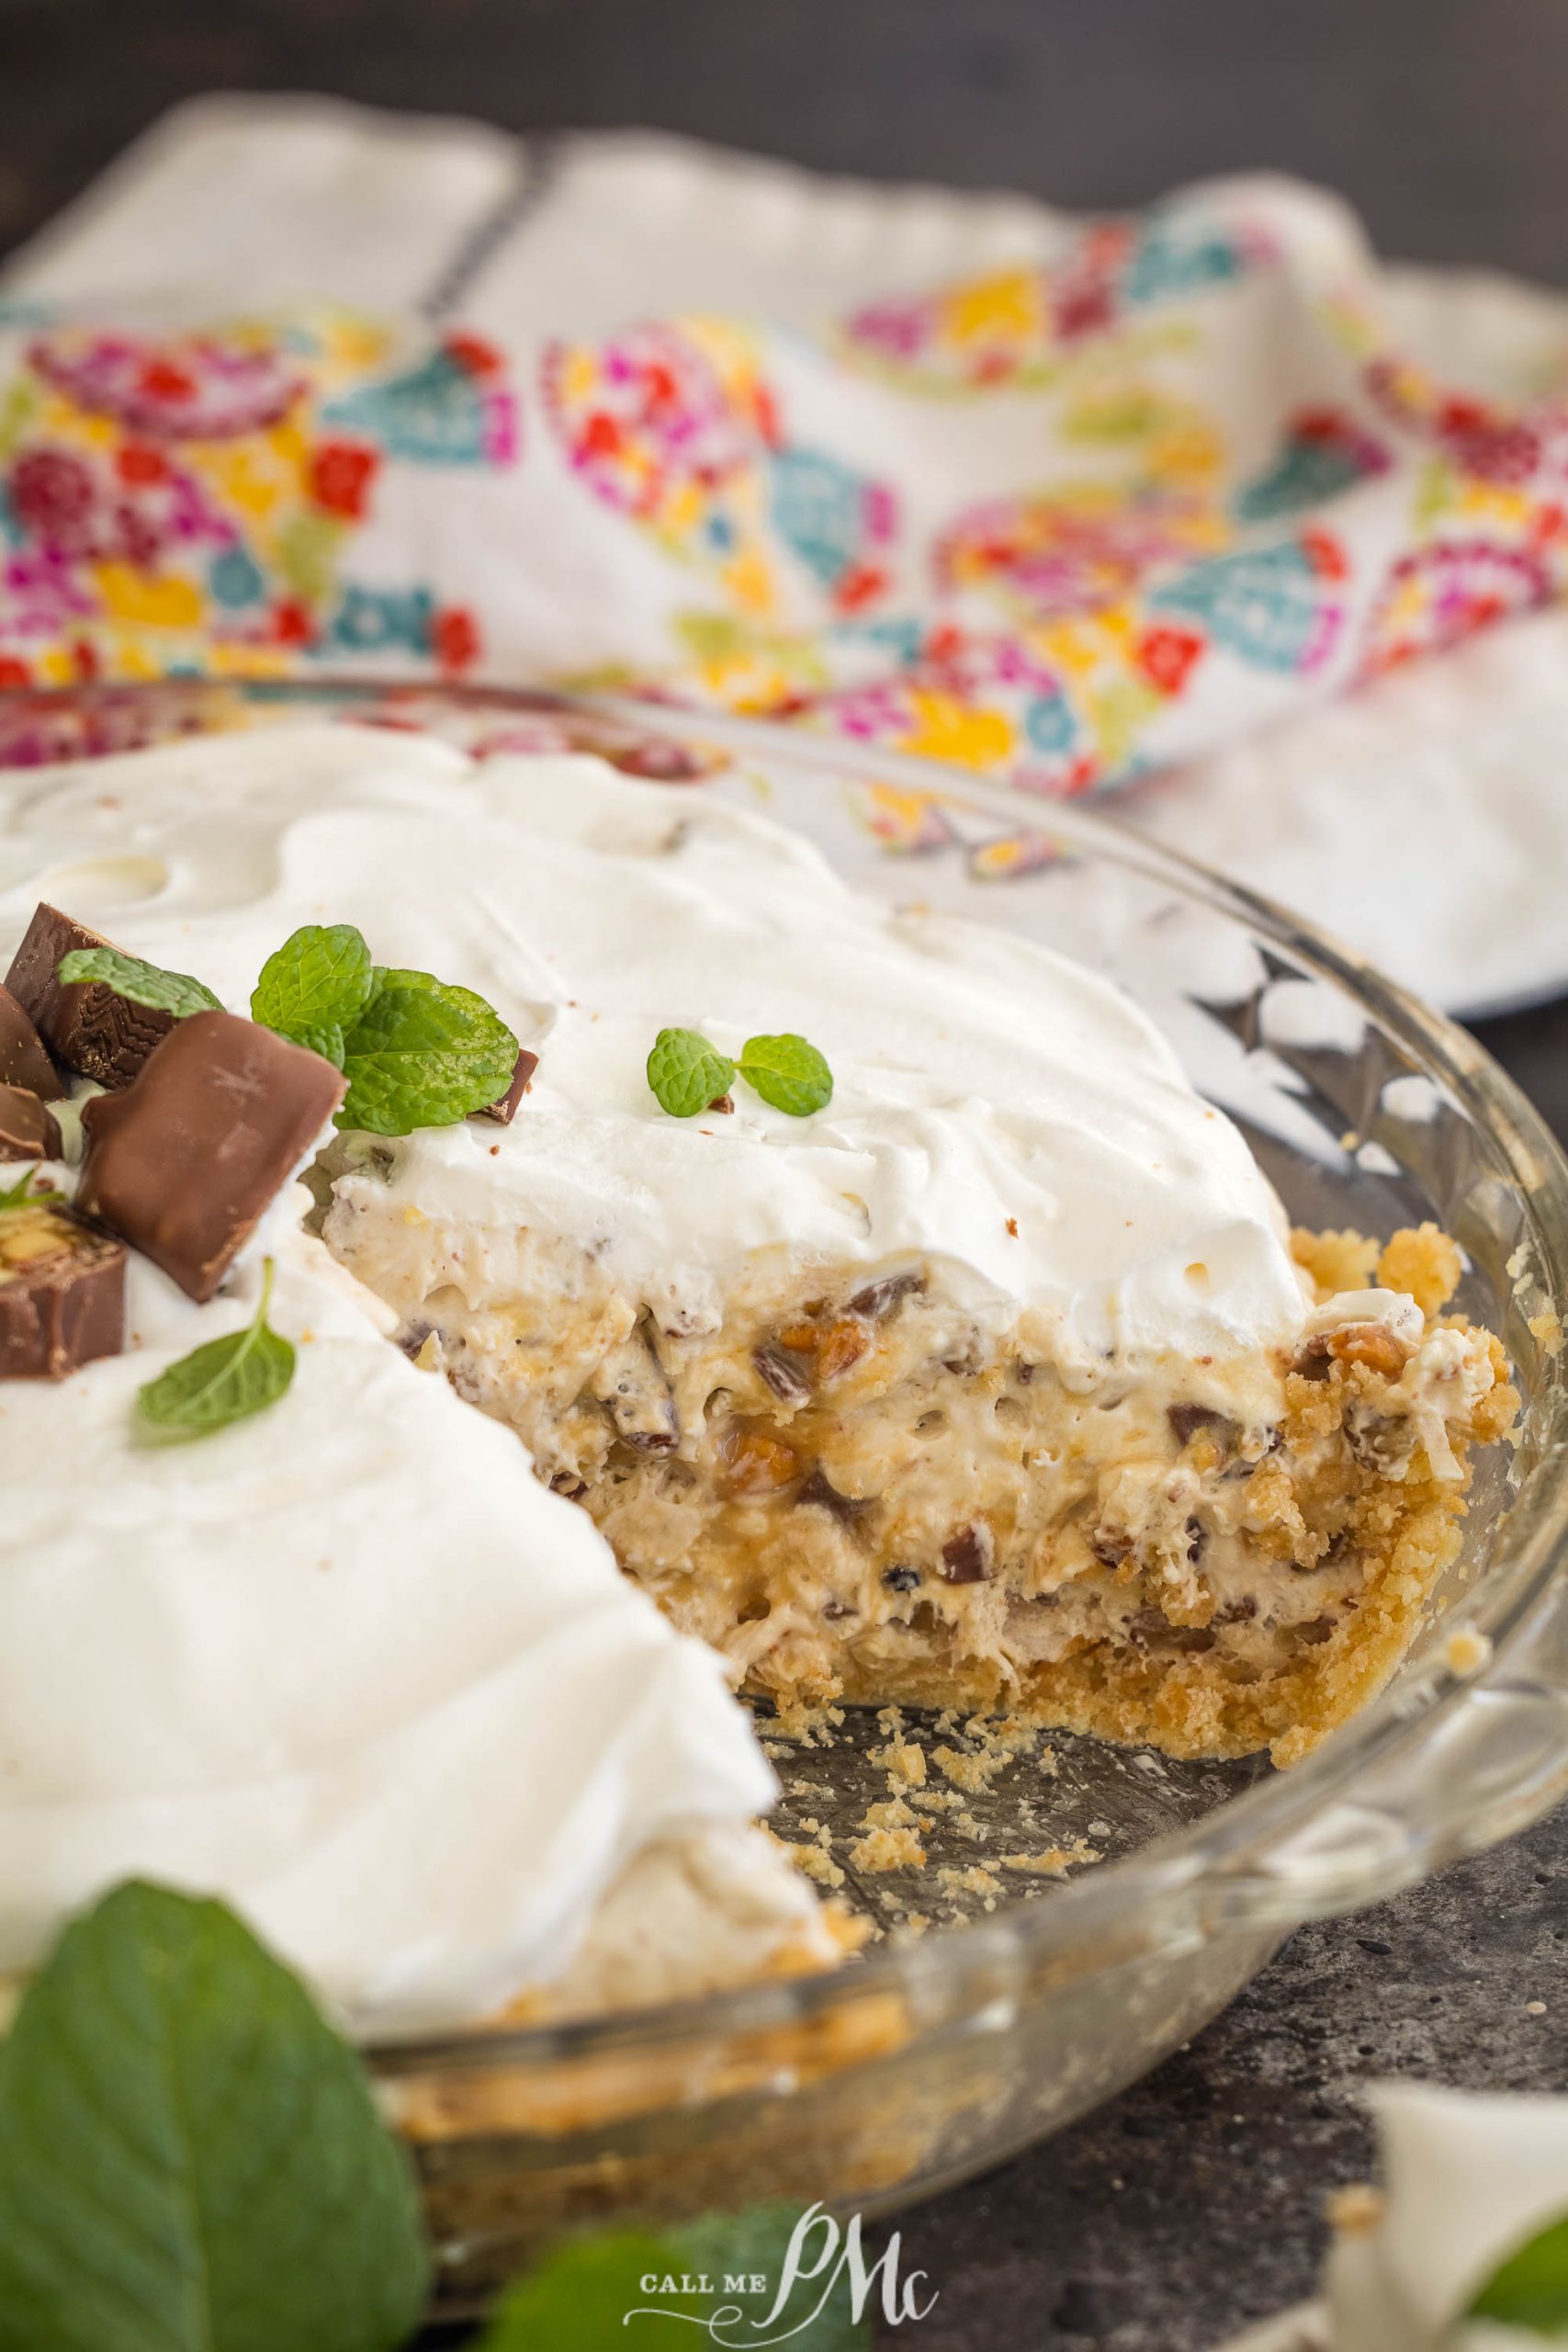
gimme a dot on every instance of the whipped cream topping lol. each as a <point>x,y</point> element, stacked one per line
<point>996,1106</point>
<point>347,1664</point>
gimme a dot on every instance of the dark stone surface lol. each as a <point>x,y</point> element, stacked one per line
<point>1193,2204</point>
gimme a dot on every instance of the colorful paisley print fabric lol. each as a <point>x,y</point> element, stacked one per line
<point>1057,524</point>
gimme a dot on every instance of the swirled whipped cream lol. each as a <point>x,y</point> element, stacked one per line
<point>996,1106</point>
<point>347,1663</point>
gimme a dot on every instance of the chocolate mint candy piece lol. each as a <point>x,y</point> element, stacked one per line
<point>184,1162</point>
<point>28,1129</point>
<point>62,1292</point>
<point>24,1061</point>
<point>89,1026</point>
<point>505,1111</point>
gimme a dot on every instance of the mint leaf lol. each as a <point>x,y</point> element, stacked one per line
<point>14,1195</point>
<point>327,1041</point>
<point>226,1381</point>
<point>687,1073</point>
<point>578,2299</point>
<point>174,992</point>
<point>320,980</point>
<point>582,2296</point>
<point>788,1073</point>
<point>190,2159</point>
<point>423,1054</point>
<point>755,2244</point>
<point>1530,2289</point>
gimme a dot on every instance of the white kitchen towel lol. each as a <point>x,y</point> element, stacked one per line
<point>1126,503</point>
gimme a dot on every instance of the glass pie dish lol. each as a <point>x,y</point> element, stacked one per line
<point>933,2056</point>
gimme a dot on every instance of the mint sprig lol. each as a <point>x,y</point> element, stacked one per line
<point>686,1072</point>
<point>1529,2291</point>
<point>225,1381</point>
<point>144,983</point>
<point>190,2159</point>
<point>17,1195</point>
<point>316,986</point>
<point>416,1051</point>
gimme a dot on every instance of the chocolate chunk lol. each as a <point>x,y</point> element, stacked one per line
<point>62,1292</point>
<point>901,1579</point>
<point>504,1111</point>
<point>725,1103</point>
<point>966,1557</point>
<point>784,1372</point>
<point>1240,1611</point>
<point>1316,1630</point>
<point>88,1027</point>
<point>1109,1548</point>
<point>1197,1536</point>
<point>1186,1421</point>
<point>29,1129</point>
<point>184,1162</point>
<point>880,1297</point>
<point>24,1061</point>
<point>631,1386</point>
<point>1152,1627</point>
<point>821,1490</point>
<point>1313,1359</point>
<point>1380,1441</point>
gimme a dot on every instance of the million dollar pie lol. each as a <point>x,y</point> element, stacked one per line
<point>497,1256</point>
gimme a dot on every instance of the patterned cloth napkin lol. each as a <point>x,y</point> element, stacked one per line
<point>1104,504</point>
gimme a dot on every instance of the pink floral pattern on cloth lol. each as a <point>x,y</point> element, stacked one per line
<point>1059,524</point>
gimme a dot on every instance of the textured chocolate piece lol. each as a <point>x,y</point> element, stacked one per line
<point>24,1059</point>
<point>184,1162</point>
<point>88,1027</point>
<point>29,1129</point>
<point>505,1111</point>
<point>62,1292</point>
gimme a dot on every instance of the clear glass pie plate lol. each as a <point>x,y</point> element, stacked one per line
<point>934,2056</point>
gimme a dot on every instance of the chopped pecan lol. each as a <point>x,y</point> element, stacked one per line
<point>880,1297</point>
<point>966,1558</point>
<point>1186,1421</point>
<point>631,1386</point>
<point>1378,1441</point>
<point>821,1490</point>
<point>1376,1345</point>
<point>756,1461</point>
<point>1146,1627</point>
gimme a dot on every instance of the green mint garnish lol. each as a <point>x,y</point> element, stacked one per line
<point>174,992</point>
<point>317,985</point>
<point>687,1073</point>
<point>788,1073</point>
<point>423,1054</point>
<point>190,2159</point>
<point>1529,2291</point>
<point>578,2297</point>
<point>16,1195</point>
<point>416,1052</point>
<point>223,1382</point>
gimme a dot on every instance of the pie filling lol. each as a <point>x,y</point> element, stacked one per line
<point>869,1489</point>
